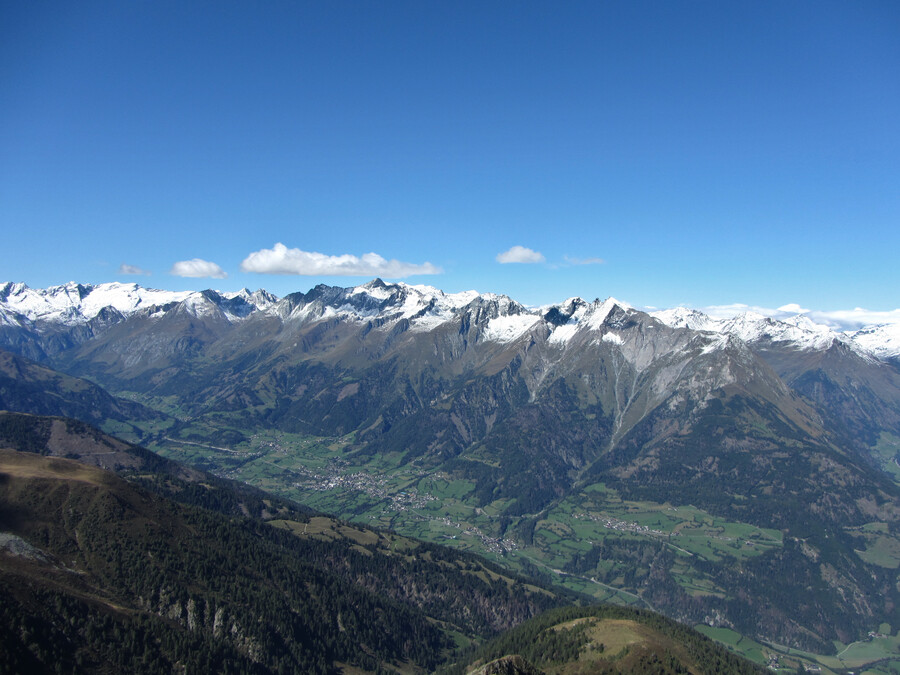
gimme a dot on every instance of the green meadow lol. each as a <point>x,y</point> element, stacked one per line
<point>558,545</point>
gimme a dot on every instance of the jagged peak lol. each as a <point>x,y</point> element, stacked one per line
<point>376,288</point>
<point>576,315</point>
<point>8,288</point>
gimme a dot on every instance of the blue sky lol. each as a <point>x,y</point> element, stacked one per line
<point>665,153</point>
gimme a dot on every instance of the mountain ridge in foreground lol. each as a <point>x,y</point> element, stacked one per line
<point>602,639</point>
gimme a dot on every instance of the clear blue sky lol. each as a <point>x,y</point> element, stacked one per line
<point>706,152</point>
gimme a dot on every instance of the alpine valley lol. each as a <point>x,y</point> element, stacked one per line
<point>736,475</point>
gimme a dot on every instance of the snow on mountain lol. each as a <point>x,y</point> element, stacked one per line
<point>448,300</point>
<point>598,311</point>
<point>581,316</point>
<point>613,338</point>
<point>426,308</point>
<point>802,330</point>
<point>436,307</point>
<point>12,319</point>
<point>881,341</point>
<point>74,303</point>
<point>684,317</point>
<point>232,306</point>
<point>718,343</point>
<point>429,306</point>
<point>374,289</point>
<point>261,298</point>
<point>509,328</point>
<point>799,330</point>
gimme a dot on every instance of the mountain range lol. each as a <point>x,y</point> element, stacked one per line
<point>80,304</point>
<point>669,458</point>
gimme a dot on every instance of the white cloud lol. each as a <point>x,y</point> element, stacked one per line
<point>583,261</point>
<point>283,260</point>
<point>125,268</point>
<point>793,308</point>
<point>197,268</point>
<point>852,319</point>
<point>520,254</point>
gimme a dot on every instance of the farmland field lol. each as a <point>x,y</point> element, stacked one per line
<point>593,542</point>
<point>435,506</point>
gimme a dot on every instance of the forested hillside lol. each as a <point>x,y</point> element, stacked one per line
<point>102,574</point>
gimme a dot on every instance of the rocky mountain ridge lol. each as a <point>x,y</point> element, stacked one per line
<point>424,307</point>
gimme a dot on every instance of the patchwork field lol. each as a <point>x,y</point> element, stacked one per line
<point>435,506</point>
<point>586,542</point>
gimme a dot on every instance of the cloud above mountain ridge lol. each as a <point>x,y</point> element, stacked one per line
<point>196,268</point>
<point>520,254</point>
<point>127,269</point>
<point>283,260</point>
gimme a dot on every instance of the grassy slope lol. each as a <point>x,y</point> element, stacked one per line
<point>609,640</point>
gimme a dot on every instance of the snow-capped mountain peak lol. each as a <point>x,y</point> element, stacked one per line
<point>576,315</point>
<point>881,341</point>
<point>799,331</point>
<point>425,308</point>
<point>684,317</point>
<point>74,303</point>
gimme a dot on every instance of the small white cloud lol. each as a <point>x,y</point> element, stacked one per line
<point>520,254</point>
<point>853,319</point>
<point>793,308</point>
<point>197,268</point>
<point>283,260</point>
<point>583,261</point>
<point>125,268</point>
